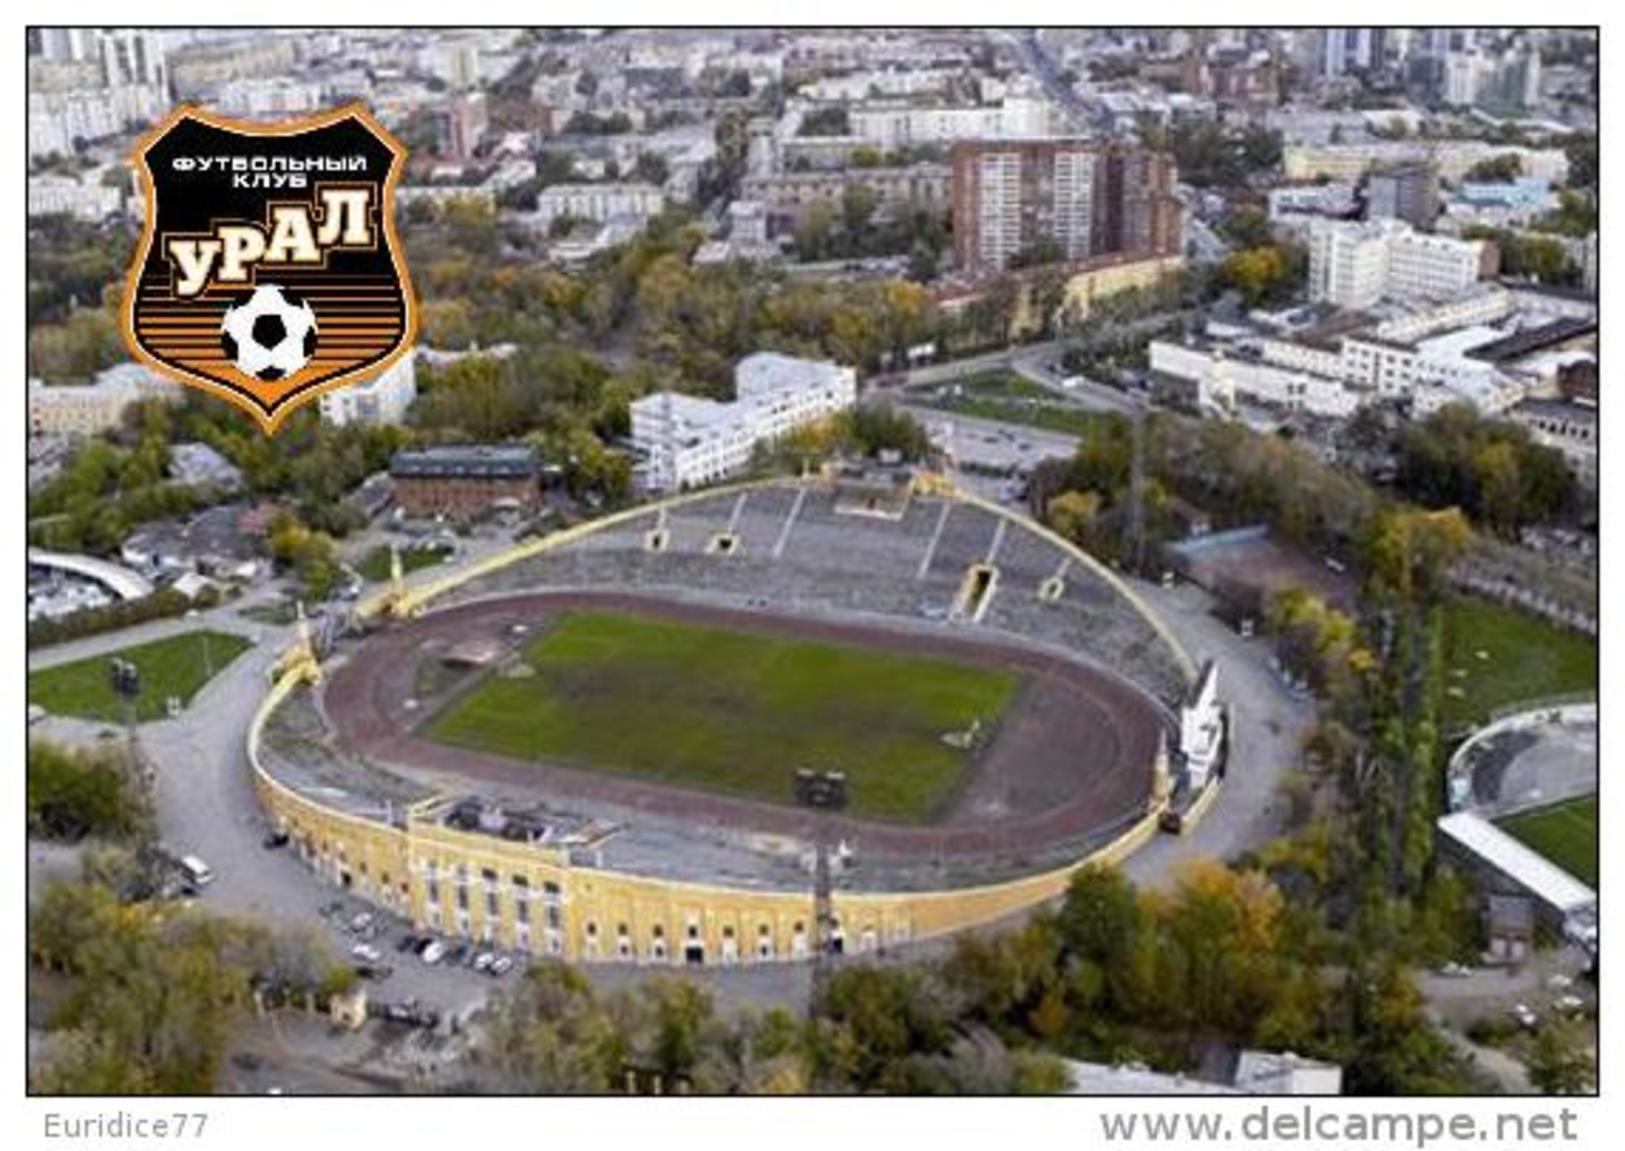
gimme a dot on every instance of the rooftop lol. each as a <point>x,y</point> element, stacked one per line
<point>1541,877</point>
<point>1528,340</point>
<point>465,460</point>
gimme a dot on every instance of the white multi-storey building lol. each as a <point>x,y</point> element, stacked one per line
<point>1225,376</point>
<point>1072,202</point>
<point>687,441</point>
<point>999,237</point>
<point>380,400</point>
<point>1353,265</point>
<point>1302,163</point>
<point>51,195</point>
<point>898,126</point>
<point>256,97</point>
<point>1427,362</point>
<point>89,409</point>
<point>598,202</point>
<point>61,122</point>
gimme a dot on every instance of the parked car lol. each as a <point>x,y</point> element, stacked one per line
<point>276,839</point>
<point>483,961</point>
<point>500,965</point>
<point>361,922</point>
<point>434,953</point>
<point>1525,1016</point>
<point>365,952</point>
<point>407,942</point>
<point>197,872</point>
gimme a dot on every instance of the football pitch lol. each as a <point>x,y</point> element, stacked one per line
<point>1565,833</point>
<point>733,712</point>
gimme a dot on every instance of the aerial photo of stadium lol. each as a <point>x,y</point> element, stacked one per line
<point>609,724</point>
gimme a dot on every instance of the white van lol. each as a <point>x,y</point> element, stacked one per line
<point>196,870</point>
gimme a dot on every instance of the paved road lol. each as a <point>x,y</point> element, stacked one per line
<point>1269,728</point>
<point>968,366</point>
<point>1042,365</point>
<point>993,443</point>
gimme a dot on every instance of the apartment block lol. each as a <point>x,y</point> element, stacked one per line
<point>1353,265</point>
<point>1086,198</point>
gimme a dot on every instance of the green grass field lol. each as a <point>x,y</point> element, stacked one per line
<point>732,712</point>
<point>177,666</point>
<point>1527,659</point>
<point>1020,402</point>
<point>1565,833</point>
<point>374,566</point>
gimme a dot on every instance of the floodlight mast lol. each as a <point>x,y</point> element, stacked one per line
<point>125,679</point>
<point>821,792</point>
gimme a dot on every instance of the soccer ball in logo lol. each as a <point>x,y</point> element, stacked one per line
<point>271,334</point>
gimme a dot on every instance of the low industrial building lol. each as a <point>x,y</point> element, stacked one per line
<point>1506,867</point>
<point>1481,347</point>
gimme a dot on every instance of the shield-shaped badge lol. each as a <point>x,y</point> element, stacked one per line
<point>269,270</point>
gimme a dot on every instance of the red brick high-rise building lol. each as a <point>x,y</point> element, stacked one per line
<point>1071,199</point>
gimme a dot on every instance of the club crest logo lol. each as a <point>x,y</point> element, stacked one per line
<point>269,270</point>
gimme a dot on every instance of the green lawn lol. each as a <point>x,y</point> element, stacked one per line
<point>375,565</point>
<point>733,712</point>
<point>1565,833</point>
<point>1525,658</point>
<point>1050,416</point>
<point>278,614</point>
<point>177,666</point>
<point>1000,386</point>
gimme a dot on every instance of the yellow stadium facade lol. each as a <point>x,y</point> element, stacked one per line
<point>536,899</point>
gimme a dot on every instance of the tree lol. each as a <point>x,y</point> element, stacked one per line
<point>651,168</point>
<point>552,1036</point>
<point>1265,274</point>
<point>1102,924</point>
<point>1394,1050</point>
<point>1581,149</point>
<point>858,203</point>
<point>309,554</point>
<point>1557,1065</point>
<point>815,231</point>
<point>1072,514</point>
<point>1043,250</point>
<point>1248,227</point>
<point>72,794</point>
<point>828,120</point>
<point>1500,489</point>
<point>869,429</point>
<point>1317,641</point>
<point>147,986</point>
<point>1408,553</point>
<point>1502,169</point>
<point>870,1020</point>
